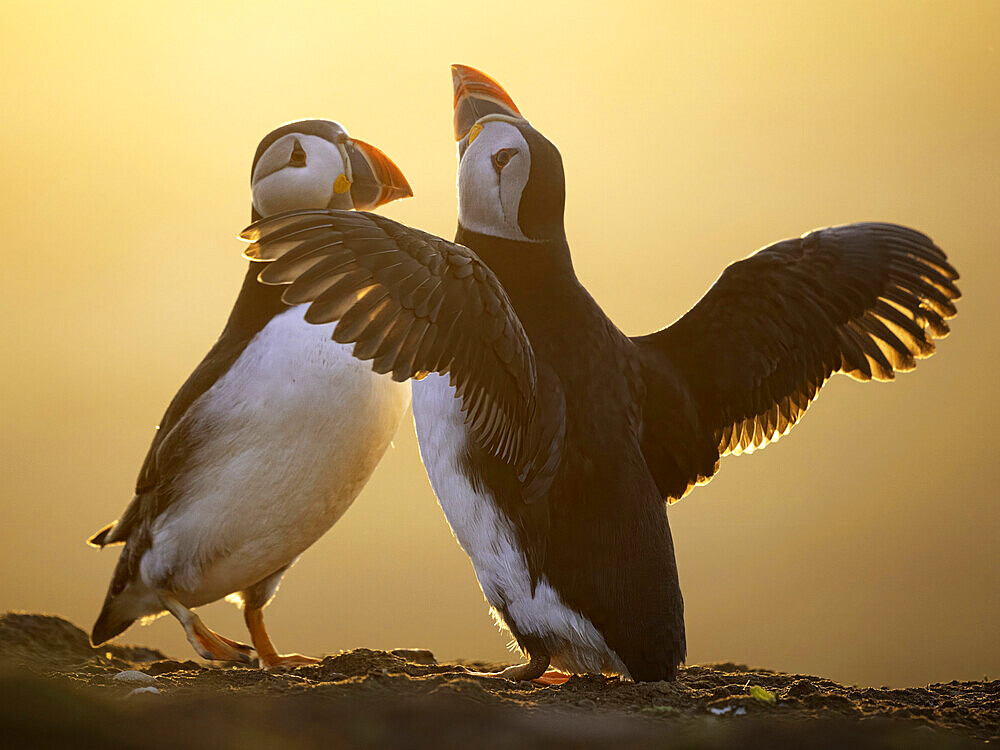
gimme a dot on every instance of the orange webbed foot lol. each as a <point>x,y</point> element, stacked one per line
<point>211,645</point>
<point>551,677</point>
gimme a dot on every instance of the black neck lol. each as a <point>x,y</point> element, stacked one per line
<point>514,260</point>
<point>256,304</point>
<point>537,276</point>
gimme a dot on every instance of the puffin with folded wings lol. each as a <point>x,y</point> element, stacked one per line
<point>550,437</point>
<point>269,440</point>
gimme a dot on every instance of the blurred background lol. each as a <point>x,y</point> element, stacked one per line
<point>862,548</point>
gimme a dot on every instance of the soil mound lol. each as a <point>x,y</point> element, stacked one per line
<point>49,642</point>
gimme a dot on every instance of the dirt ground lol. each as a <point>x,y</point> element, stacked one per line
<point>55,690</point>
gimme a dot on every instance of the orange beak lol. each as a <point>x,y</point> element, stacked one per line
<point>377,179</point>
<point>477,95</point>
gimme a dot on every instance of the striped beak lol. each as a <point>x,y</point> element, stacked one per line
<point>477,95</point>
<point>375,180</point>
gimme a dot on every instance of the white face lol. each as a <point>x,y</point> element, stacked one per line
<point>278,185</point>
<point>492,174</point>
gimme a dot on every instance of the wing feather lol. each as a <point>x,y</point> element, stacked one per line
<point>412,303</point>
<point>864,299</point>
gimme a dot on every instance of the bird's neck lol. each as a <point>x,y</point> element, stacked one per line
<point>256,304</point>
<point>517,261</point>
<point>538,276</point>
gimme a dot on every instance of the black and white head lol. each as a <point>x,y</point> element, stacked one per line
<point>510,177</point>
<point>316,164</point>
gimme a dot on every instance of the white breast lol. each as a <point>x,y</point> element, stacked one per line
<point>289,436</point>
<point>486,536</point>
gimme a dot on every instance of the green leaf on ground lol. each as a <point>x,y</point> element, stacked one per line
<point>763,695</point>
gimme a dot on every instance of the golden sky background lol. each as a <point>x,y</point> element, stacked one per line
<point>863,547</point>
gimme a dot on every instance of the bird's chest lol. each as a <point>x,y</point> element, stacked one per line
<point>293,429</point>
<point>282,444</point>
<point>481,528</point>
<point>293,382</point>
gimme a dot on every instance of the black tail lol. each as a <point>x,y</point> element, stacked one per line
<point>111,622</point>
<point>106,626</point>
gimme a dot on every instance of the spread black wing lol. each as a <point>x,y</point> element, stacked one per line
<point>864,299</point>
<point>412,303</point>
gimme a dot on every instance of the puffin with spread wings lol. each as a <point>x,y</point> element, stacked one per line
<point>551,438</point>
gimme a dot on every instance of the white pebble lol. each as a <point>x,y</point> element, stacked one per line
<point>741,711</point>
<point>135,677</point>
<point>138,691</point>
<point>721,711</point>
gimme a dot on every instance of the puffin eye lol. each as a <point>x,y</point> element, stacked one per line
<point>502,158</point>
<point>298,157</point>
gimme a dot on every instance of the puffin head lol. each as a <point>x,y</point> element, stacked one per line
<point>510,177</point>
<point>315,164</point>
